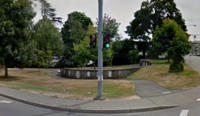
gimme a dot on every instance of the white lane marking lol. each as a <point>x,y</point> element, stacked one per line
<point>184,113</point>
<point>5,101</point>
<point>166,92</point>
<point>198,100</point>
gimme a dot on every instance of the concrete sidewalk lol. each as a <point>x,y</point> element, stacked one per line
<point>148,88</point>
<point>114,106</point>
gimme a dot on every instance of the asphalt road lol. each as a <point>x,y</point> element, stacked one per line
<point>10,107</point>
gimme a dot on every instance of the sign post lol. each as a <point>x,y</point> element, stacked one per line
<point>100,53</point>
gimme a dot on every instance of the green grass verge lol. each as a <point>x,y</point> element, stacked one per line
<point>158,61</point>
<point>43,83</point>
<point>110,90</point>
<point>28,86</point>
<point>160,74</point>
<point>131,76</point>
<point>114,91</point>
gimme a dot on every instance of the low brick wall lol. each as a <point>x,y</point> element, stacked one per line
<point>92,74</point>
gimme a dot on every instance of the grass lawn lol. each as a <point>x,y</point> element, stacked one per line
<point>38,81</point>
<point>159,73</point>
<point>158,61</point>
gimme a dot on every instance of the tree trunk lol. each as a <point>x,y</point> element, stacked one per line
<point>144,53</point>
<point>6,71</point>
<point>168,60</point>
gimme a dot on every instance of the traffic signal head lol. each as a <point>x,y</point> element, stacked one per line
<point>106,41</point>
<point>93,41</point>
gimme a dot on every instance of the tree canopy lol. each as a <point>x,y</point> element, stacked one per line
<point>15,32</point>
<point>110,25</point>
<point>121,49</point>
<point>48,42</point>
<point>74,31</point>
<point>149,16</point>
<point>171,38</point>
<point>84,53</point>
<point>49,12</point>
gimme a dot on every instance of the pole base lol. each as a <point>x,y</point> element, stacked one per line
<point>99,98</point>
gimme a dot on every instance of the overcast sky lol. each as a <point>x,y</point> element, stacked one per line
<point>123,11</point>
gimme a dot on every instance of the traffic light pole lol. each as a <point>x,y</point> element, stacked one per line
<point>100,53</point>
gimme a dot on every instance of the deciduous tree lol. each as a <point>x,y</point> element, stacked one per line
<point>48,42</point>
<point>74,31</point>
<point>15,32</point>
<point>151,15</point>
<point>83,53</point>
<point>110,25</point>
<point>171,38</point>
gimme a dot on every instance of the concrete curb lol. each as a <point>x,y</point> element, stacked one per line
<point>87,110</point>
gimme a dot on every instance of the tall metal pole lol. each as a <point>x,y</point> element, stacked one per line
<point>100,53</point>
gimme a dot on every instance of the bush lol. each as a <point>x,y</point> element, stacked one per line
<point>133,56</point>
<point>173,41</point>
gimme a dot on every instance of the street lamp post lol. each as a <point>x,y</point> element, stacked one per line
<point>100,53</point>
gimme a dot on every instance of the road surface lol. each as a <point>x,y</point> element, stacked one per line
<point>10,107</point>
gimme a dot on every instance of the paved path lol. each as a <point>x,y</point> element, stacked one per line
<point>194,62</point>
<point>145,89</point>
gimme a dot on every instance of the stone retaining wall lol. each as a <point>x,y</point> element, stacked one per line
<point>92,74</point>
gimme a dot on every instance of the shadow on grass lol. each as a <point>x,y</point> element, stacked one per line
<point>10,78</point>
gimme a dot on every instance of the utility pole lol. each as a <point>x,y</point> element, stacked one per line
<point>100,53</point>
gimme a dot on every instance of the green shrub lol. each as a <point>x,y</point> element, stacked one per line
<point>133,56</point>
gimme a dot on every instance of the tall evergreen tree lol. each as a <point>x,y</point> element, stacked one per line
<point>49,12</point>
